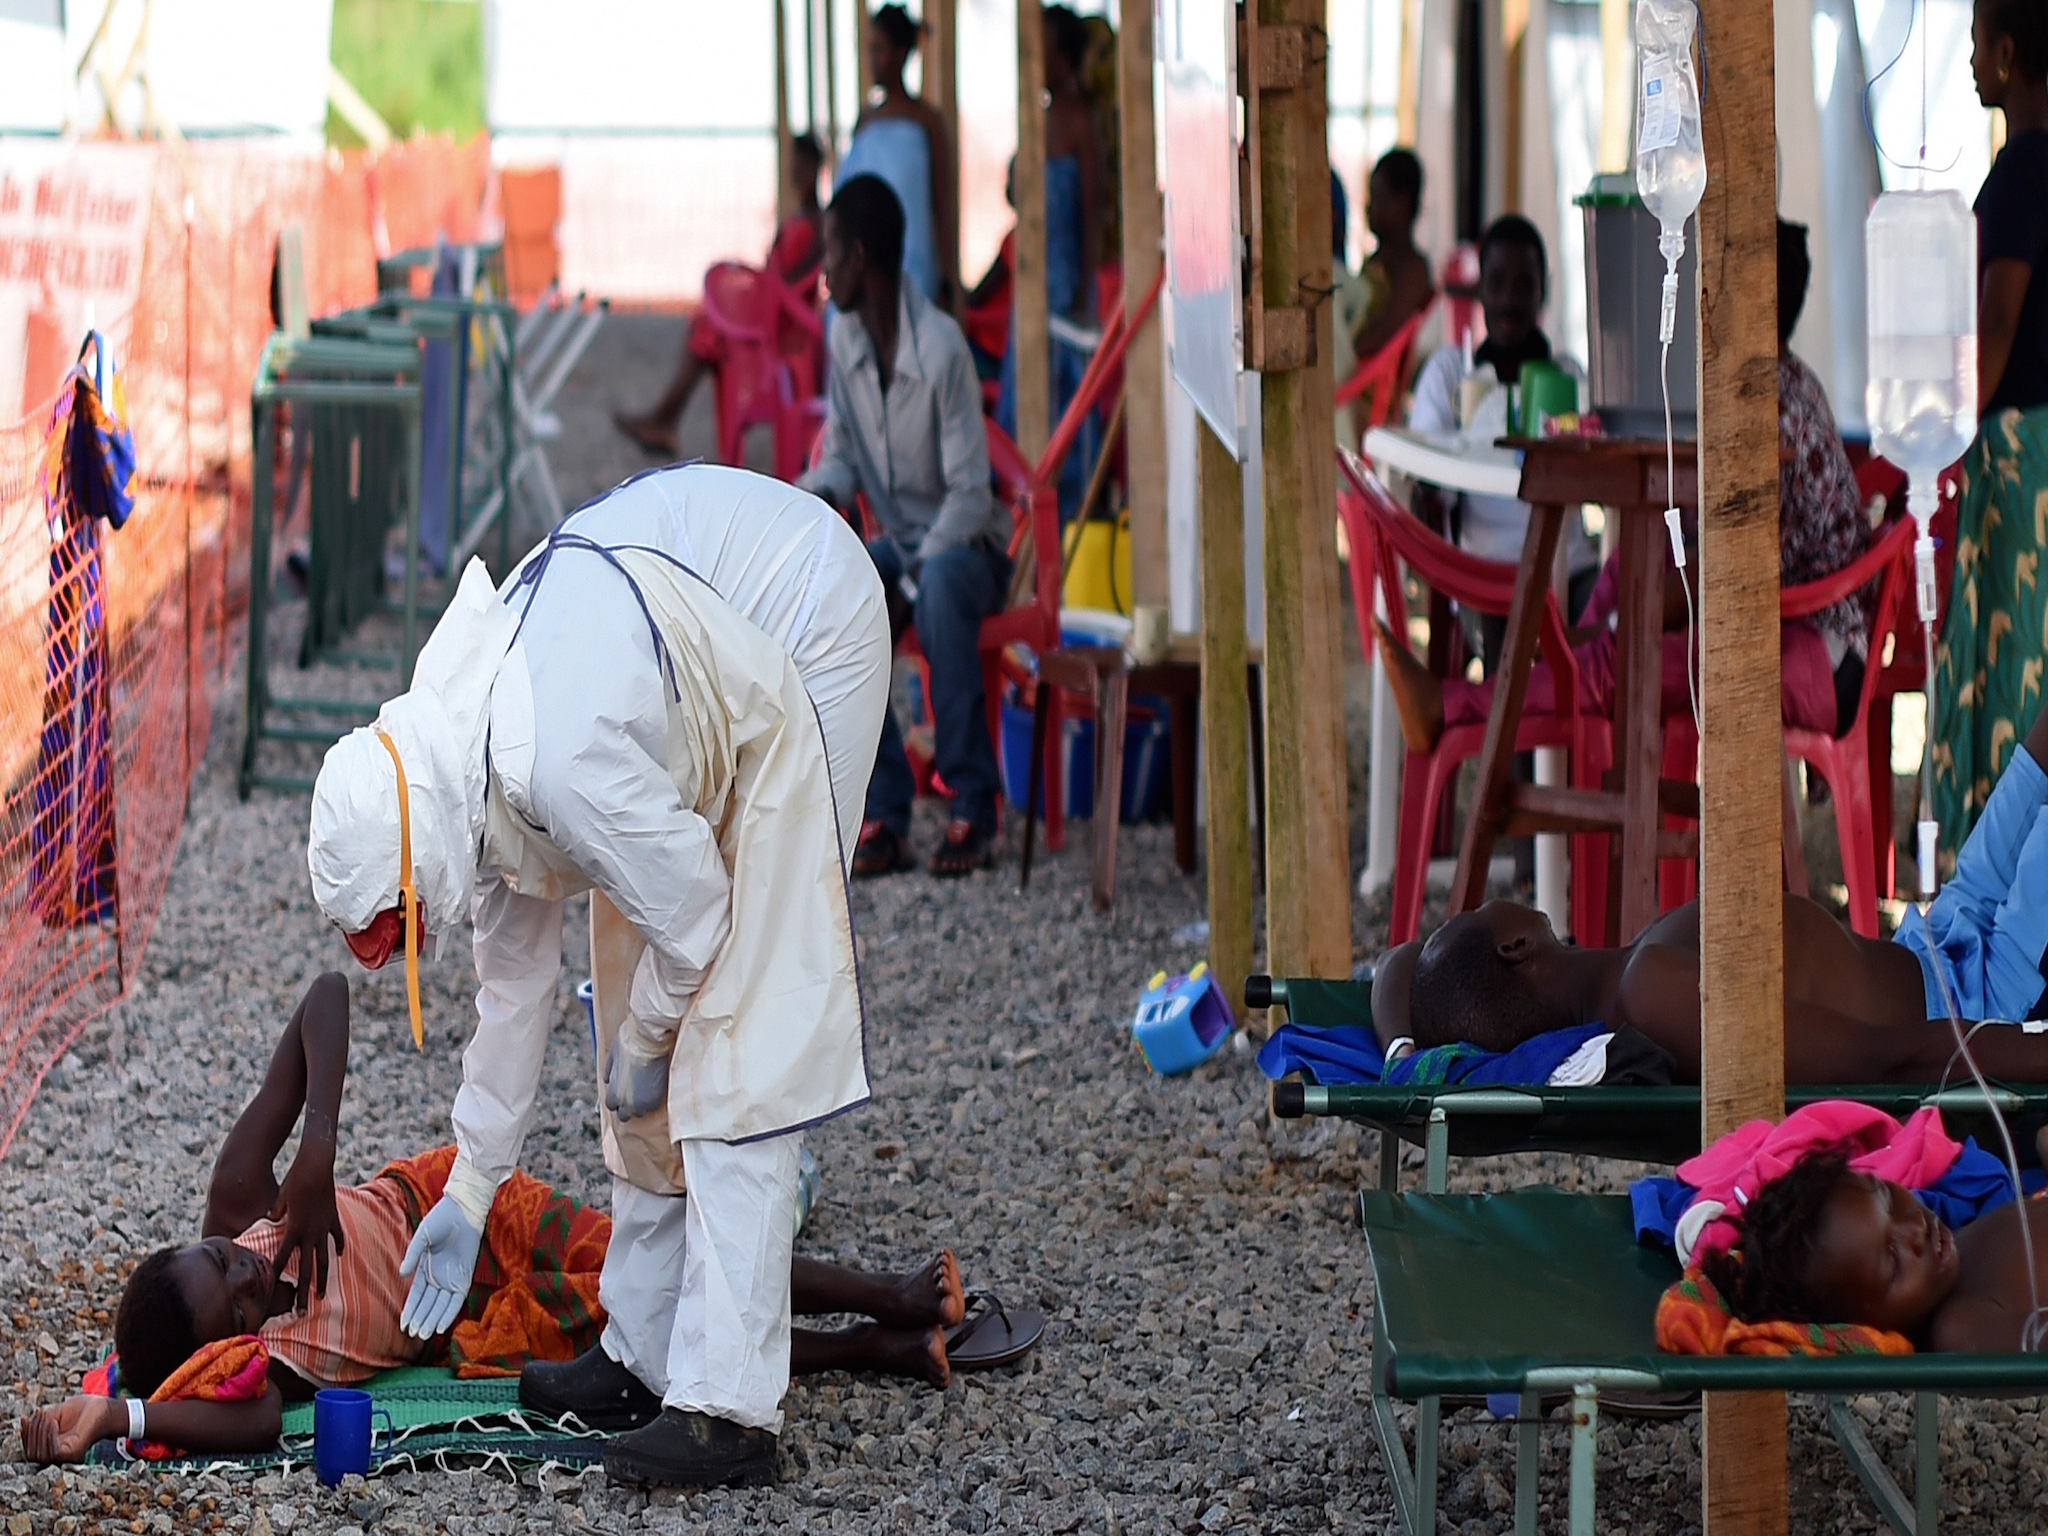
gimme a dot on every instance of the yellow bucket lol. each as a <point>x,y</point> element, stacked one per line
<point>1098,560</point>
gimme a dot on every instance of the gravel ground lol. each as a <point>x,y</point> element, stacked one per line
<point>1206,1365</point>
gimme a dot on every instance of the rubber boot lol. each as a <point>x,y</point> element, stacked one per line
<point>687,1449</point>
<point>595,1387</point>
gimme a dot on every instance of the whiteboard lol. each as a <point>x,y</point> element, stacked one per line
<point>1204,310</point>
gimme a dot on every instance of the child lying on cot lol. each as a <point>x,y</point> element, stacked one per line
<point>262,1267</point>
<point>1824,1243</point>
<point>1856,1009</point>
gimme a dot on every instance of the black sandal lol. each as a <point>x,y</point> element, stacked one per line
<point>882,850</point>
<point>994,1336</point>
<point>966,848</point>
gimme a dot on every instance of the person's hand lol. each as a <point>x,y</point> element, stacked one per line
<point>305,1205</point>
<point>441,1258</point>
<point>635,1083</point>
<point>67,1431</point>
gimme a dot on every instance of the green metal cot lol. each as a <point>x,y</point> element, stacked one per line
<point>1544,1294</point>
<point>1641,1124</point>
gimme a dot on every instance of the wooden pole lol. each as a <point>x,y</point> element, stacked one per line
<point>1514,33</point>
<point>1410,89</point>
<point>1742,943</point>
<point>1617,79</point>
<point>831,90</point>
<point>1144,364</point>
<point>942,90</point>
<point>785,197</point>
<point>1308,884</point>
<point>862,73</point>
<point>1226,714</point>
<point>1028,323</point>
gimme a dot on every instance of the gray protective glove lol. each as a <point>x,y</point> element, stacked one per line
<point>635,1083</point>
<point>443,1252</point>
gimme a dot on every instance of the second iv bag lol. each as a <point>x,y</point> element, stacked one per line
<point>1920,250</point>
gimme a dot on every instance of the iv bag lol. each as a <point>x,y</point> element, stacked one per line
<point>1920,253</point>
<point>1671,165</point>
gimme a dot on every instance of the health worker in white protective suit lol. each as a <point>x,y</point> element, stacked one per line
<point>673,704</point>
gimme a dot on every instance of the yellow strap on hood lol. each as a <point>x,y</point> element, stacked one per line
<point>407,895</point>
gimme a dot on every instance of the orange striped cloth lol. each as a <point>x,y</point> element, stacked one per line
<point>1692,1319</point>
<point>225,1371</point>
<point>534,1293</point>
<point>352,1332</point>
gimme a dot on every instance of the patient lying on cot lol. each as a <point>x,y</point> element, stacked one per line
<point>1827,1244</point>
<point>1856,1009</point>
<point>311,1272</point>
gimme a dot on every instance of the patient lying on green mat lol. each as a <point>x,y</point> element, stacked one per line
<point>1826,1244</point>
<point>311,1270</point>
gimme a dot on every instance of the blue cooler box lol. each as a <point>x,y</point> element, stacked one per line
<point>1146,762</point>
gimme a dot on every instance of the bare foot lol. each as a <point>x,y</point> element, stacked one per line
<point>1418,697</point>
<point>653,436</point>
<point>913,1353</point>
<point>926,1296</point>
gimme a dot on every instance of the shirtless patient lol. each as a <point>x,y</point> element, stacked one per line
<point>313,1270</point>
<point>1856,1009</point>
<point>1825,1244</point>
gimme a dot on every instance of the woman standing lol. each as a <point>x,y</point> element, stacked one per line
<point>1989,668</point>
<point>903,141</point>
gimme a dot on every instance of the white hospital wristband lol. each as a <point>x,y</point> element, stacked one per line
<point>135,1419</point>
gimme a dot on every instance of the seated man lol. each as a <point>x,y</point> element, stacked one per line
<point>1824,1243</point>
<point>263,1266</point>
<point>1514,281</point>
<point>1856,1010</point>
<point>903,428</point>
<point>793,257</point>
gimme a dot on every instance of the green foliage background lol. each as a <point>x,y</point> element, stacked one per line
<point>420,63</point>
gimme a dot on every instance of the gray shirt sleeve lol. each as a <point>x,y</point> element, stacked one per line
<point>968,512</point>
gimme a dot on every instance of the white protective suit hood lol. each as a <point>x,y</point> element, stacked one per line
<point>438,727</point>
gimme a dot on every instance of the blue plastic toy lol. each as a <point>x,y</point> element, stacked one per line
<point>1182,1021</point>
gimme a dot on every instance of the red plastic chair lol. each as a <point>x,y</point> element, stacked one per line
<point>1382,377</point>
<point>1463,315</point>
<point>1844,760</point>
<point>772,354</point>
<point>1906,670</point>
<point>1383,538</point>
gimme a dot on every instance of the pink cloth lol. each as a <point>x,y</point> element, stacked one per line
<point>1806,688</point>
<point>1735,1167</point>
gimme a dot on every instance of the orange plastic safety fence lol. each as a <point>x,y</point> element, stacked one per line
<point>139,648</point>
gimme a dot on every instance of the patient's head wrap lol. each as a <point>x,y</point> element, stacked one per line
<point>437,728</point>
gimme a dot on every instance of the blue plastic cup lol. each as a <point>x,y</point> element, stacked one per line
<point>342,1441</point>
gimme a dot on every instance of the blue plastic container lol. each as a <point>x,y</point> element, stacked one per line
<point>1147,762</point>
<point>1182,1021</point>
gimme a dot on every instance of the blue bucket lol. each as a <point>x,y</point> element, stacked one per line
<point>1147,760</point>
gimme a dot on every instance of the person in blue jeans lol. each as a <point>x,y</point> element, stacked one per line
<point>1856,1009</point>
<point>903,429</point>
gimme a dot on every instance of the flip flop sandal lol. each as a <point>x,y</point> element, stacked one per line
<point>993,1336</point>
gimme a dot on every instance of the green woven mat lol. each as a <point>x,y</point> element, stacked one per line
<point>437,1420</point>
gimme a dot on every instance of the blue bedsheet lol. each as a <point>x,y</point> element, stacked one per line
<point>1350,1053</point>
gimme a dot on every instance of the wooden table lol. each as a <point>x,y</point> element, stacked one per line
<point>1627,476</point>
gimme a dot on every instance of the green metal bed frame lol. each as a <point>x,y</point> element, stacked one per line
<point>1641,1124</point>
<point>1545,1294</point>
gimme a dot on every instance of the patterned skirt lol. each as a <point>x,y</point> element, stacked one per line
<point>1988,667</point>
<point>534,1293</point>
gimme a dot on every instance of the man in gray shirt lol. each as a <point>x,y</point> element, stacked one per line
<point>903,428</point>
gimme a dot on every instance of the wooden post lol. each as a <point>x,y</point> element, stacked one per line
<point>862,73</point>
<point>1144,363</point>
<point>1226,714</point>
<point>942,90</point>
<point>1410,89</point>
<point>1742,959</point>
<point>1029,316</point>
<point>1308,884</point>
<point>785,197</point>
<point>1514,32</point>
<point>831,89</point>
<point>1617,85</point>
